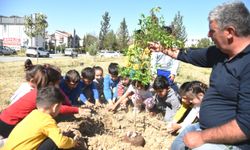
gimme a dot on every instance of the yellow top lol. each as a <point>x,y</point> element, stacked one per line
<point>179,114</point>
<point>33,130</point>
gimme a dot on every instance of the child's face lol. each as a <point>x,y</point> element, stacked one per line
<point>114,77</point>
<point>71,85</point>
<point>125,81</point>
<point>197,99</point>
<point>185,100</point>
<point>162,92</point>
<point>87,81</point>
<point>98,74</point>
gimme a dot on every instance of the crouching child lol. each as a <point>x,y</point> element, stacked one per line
<point>39,130</point>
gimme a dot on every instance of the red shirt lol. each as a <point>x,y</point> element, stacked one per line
<point>22,107</point>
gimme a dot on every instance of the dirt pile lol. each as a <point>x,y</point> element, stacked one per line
<point>103,130</point>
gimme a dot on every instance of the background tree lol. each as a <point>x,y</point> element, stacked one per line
<point>110,41</point>
<point>90,44</point>
<point>179,30</point>
<point>123,35</point>
<point>104,29</point>
<point>204,42</point>
<point>35,25</point>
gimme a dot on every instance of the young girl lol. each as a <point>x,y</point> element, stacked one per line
<point>35,78</point>
<point>166,99</point>
<point>139,94</point>
<point>194,95</point>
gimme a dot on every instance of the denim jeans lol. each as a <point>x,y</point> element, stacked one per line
<point>178,143</point>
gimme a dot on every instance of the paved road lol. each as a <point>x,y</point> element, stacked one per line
<point>17,58</point>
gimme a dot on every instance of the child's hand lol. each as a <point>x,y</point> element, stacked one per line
<point>84,111</point>
<point>89,104</point>
<point>98,104</point>
<point>173,127</point>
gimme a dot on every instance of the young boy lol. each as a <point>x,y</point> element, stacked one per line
<point>39,129</point>
<point>166,100</point>
<point>71,86</point>
<point>110,83</point>
<point>89,94</point>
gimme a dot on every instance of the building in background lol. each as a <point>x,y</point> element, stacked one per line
<point>12,33</point>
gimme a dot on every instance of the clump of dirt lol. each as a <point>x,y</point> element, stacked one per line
<point>104,130</point>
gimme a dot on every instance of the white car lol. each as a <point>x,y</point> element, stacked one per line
<point>106,53</point>
<point>37,51</point>
<point>70,52</point>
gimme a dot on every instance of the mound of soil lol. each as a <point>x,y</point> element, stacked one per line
<point>103,130</point>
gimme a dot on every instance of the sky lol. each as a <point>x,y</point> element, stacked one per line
<point>85,16</point>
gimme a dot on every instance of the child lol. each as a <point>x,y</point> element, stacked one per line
<point>99,82</point>
<point>34,78</point>
<point>194,94</point>
<point>71,86</point>
<point>139,94</point>
<point>13,114</point>
<point>110,83</point>
<point>89,93</point>
<point>166,100</point>
<point>123,85</point>
<point>39,129</point>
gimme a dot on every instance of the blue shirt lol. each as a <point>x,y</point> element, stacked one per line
<point>228,96</point>
<point>73,94</point>
<point>110,88</point>
<point>87,88</point>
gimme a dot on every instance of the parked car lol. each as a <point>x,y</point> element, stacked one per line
<point>12,51</point>
<point>107,53</point>
<point>4,50</point>
<point>37,51</point>
<point>70,52</point>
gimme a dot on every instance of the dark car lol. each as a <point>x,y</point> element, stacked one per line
<point>5,50</point>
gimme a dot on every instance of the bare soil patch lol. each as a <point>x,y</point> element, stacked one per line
<point>103,130</point>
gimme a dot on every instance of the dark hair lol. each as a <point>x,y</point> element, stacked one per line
<point>48,96</point>
<point>183,88</point>
<point>53,75</point>
<point>97,68</point>
<point>113,69</point>
<point>72,76</point>
<point>136,82</point>
<point>27,64</point>
<point>160,82</point>
<point>196,87</point>
<point>38,75</point>
<point>88,73</point>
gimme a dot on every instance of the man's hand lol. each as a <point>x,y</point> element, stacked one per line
<point>155,46</point>
<point>193,139</point>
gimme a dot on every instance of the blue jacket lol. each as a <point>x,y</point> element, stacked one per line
<point>110,88</point>
<point>73,94</point>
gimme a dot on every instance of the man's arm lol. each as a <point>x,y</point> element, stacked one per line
<point>228,133</point>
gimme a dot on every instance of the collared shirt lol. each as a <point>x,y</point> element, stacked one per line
<point>228,96</point>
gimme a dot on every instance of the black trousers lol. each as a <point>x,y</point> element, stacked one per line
<point>5,129</point>
<point>48,144</point>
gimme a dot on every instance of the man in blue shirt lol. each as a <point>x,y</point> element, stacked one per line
<point>225,110</point>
